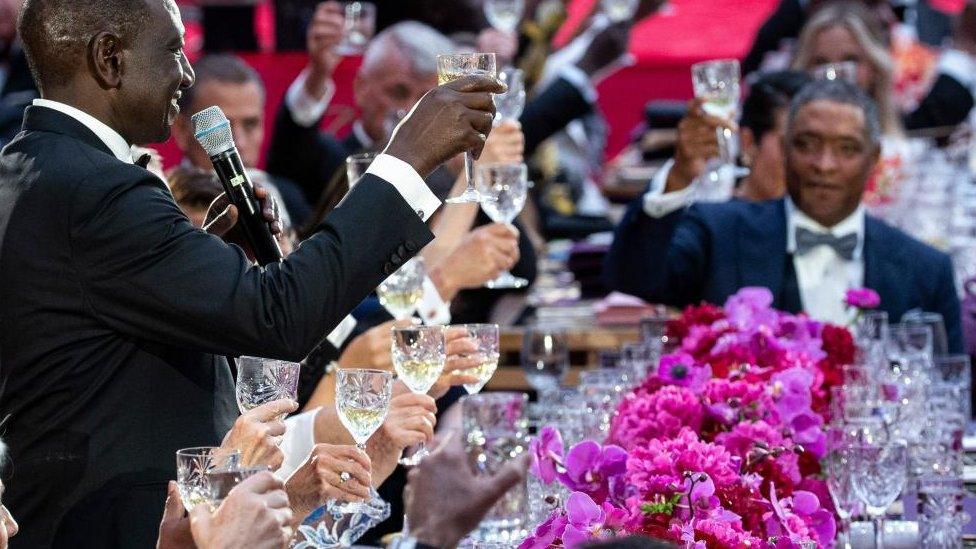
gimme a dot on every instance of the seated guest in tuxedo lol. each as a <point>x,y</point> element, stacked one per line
<point>118,314</point>
<point>762,126</point>
<point>229,83</point>
<point>848,31</point>
<point>807,248</point>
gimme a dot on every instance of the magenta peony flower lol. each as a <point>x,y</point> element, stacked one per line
<point>680,369</point>
<point>547,453</point>
<point>862,298</point>
<point>663,413</point>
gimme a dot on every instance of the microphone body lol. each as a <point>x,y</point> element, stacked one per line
<point>257,231</point>
<point>216,139</point>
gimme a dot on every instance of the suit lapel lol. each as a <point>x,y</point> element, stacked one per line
<point>883,268</point>
<point>762,257</point>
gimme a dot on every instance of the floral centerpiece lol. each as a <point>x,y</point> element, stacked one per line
<point>720,447</point>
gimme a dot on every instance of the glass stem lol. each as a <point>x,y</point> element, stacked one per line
<point>879,532</point>
<point>726,145</point>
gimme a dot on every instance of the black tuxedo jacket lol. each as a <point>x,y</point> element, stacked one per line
<point>116,314</point>
<point>710,251</point>
<point>15,94</point>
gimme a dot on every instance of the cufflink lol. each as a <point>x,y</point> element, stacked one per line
<point>420,213</point>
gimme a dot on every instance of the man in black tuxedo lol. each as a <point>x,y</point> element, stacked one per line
<point>117,312</point>
<point>808,248</point>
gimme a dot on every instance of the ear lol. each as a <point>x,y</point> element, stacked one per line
<point>105,59</point>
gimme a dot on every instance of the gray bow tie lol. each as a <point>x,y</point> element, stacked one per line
<point>808,240</point>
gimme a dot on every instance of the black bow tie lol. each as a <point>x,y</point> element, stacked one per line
<point>843,245</point>
<point>143,160</point>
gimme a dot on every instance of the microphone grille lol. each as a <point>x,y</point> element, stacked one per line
<point>212,129</point>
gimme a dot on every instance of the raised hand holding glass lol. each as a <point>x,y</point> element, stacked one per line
<point>419,354</point>
<point>507,185</point>
<point>261,380</point>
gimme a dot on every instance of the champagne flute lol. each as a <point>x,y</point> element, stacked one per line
<point>418,357</point>
<point>507,185</point>
<point>504,15</point>
<point>401,292</point>
<point>261,380</point>
<point>717,83</point>
<point>358,28</point>
<point>486,337</point>
<point>452,67</point>
<point>362,402</point>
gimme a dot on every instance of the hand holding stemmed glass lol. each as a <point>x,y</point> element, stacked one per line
<point>402,291</point>
<point>485,337</point>
<point>419,355</point>
<point>717,84</point>
<point>453,67</point>
<point>507,185</point>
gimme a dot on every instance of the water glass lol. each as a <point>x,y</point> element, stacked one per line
<point>545,358</point>
<point>880,471</point>
<point>362,402</point>
<point>356,166</point>
<point>940,342</point>
<point>402,291</point>
<point>496,433</point>
<point>504,15</point>
<point>451,67</point>
<point>419,355</point>
<point>601,391</point>
<point>485,337</point>
<point>940,515</point>
<point>509,105</point>
<point>838,467</point>
<point>717,84</point>
<point>221,480</point>
<point>360,25</point>
<point>192,467</point>
<point>261,380</point>
<point>506,185</point>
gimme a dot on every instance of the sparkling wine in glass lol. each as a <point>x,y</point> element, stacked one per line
<point>402,291</point>
<point>507,185</point>
<point>509,105</point>
<point>362,402</point>
<point>419,355</point>
<point>717,84</point>
<point>486,337</point>
<point>261,380</point>
<point>452,67</point>
<point>620,10</point>
<point>192,468</point>
<point>504,15</point>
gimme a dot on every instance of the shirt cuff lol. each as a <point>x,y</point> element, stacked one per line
<point>433,309</point>
<point>297,442</point>
<point>658,203</point>
<point>306,110</point>
<point>959,66</point>
<point>575,76</point>
<point>340,334</point>
<point>407,182</point>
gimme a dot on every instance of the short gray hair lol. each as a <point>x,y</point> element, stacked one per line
<point>839,91</point>
<point>417,42</point>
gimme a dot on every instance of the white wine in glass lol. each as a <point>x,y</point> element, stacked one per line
<point>419,355</point>
<point>362,402</point>
<point>483,371</point>
<point>453,67</point>
<point>402,291</point>
<point>504,15</point>
<point>485,337</point>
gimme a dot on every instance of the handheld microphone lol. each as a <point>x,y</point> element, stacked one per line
<point>212,129</point>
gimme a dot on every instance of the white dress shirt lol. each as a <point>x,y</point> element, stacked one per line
<point>658,203</point>
<point>822,275</point>
<point>297,442</point>
<point>115,142</point>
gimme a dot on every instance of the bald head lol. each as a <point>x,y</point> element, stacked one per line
<point>56,33</point>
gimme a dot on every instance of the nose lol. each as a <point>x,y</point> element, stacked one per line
<point>826,160</point>
<point>189,77</point>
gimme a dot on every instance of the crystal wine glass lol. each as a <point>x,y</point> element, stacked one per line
<point>504,15</point>
<point>940,342</point>
<point>507,186</point>
<point>717,84</point>
<point>509,105</point>
<point>360,24</point>
<point>356,166</point>
<point>486,337</point>
<point>452,67</point>
<point>620,10</point>
<point>362,402</point>
<point>418,357</point>
<point>261,380</point>
<point>838,470</point>
<point>192,467</point>
<point>401,291</point>
<point>545,359</point>
<point>879,476</point>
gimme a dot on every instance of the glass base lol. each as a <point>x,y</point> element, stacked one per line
<point>415,458</point>
<point>348,507</point>
<point>469,196</point>
<point>507,280</point>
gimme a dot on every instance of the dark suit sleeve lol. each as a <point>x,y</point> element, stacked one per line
<point>305,155</point>
<point>550,111</point>
<point>662,260</point>
<point>948,103</point>
<point>148,273</point>
<point>946,303</point>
